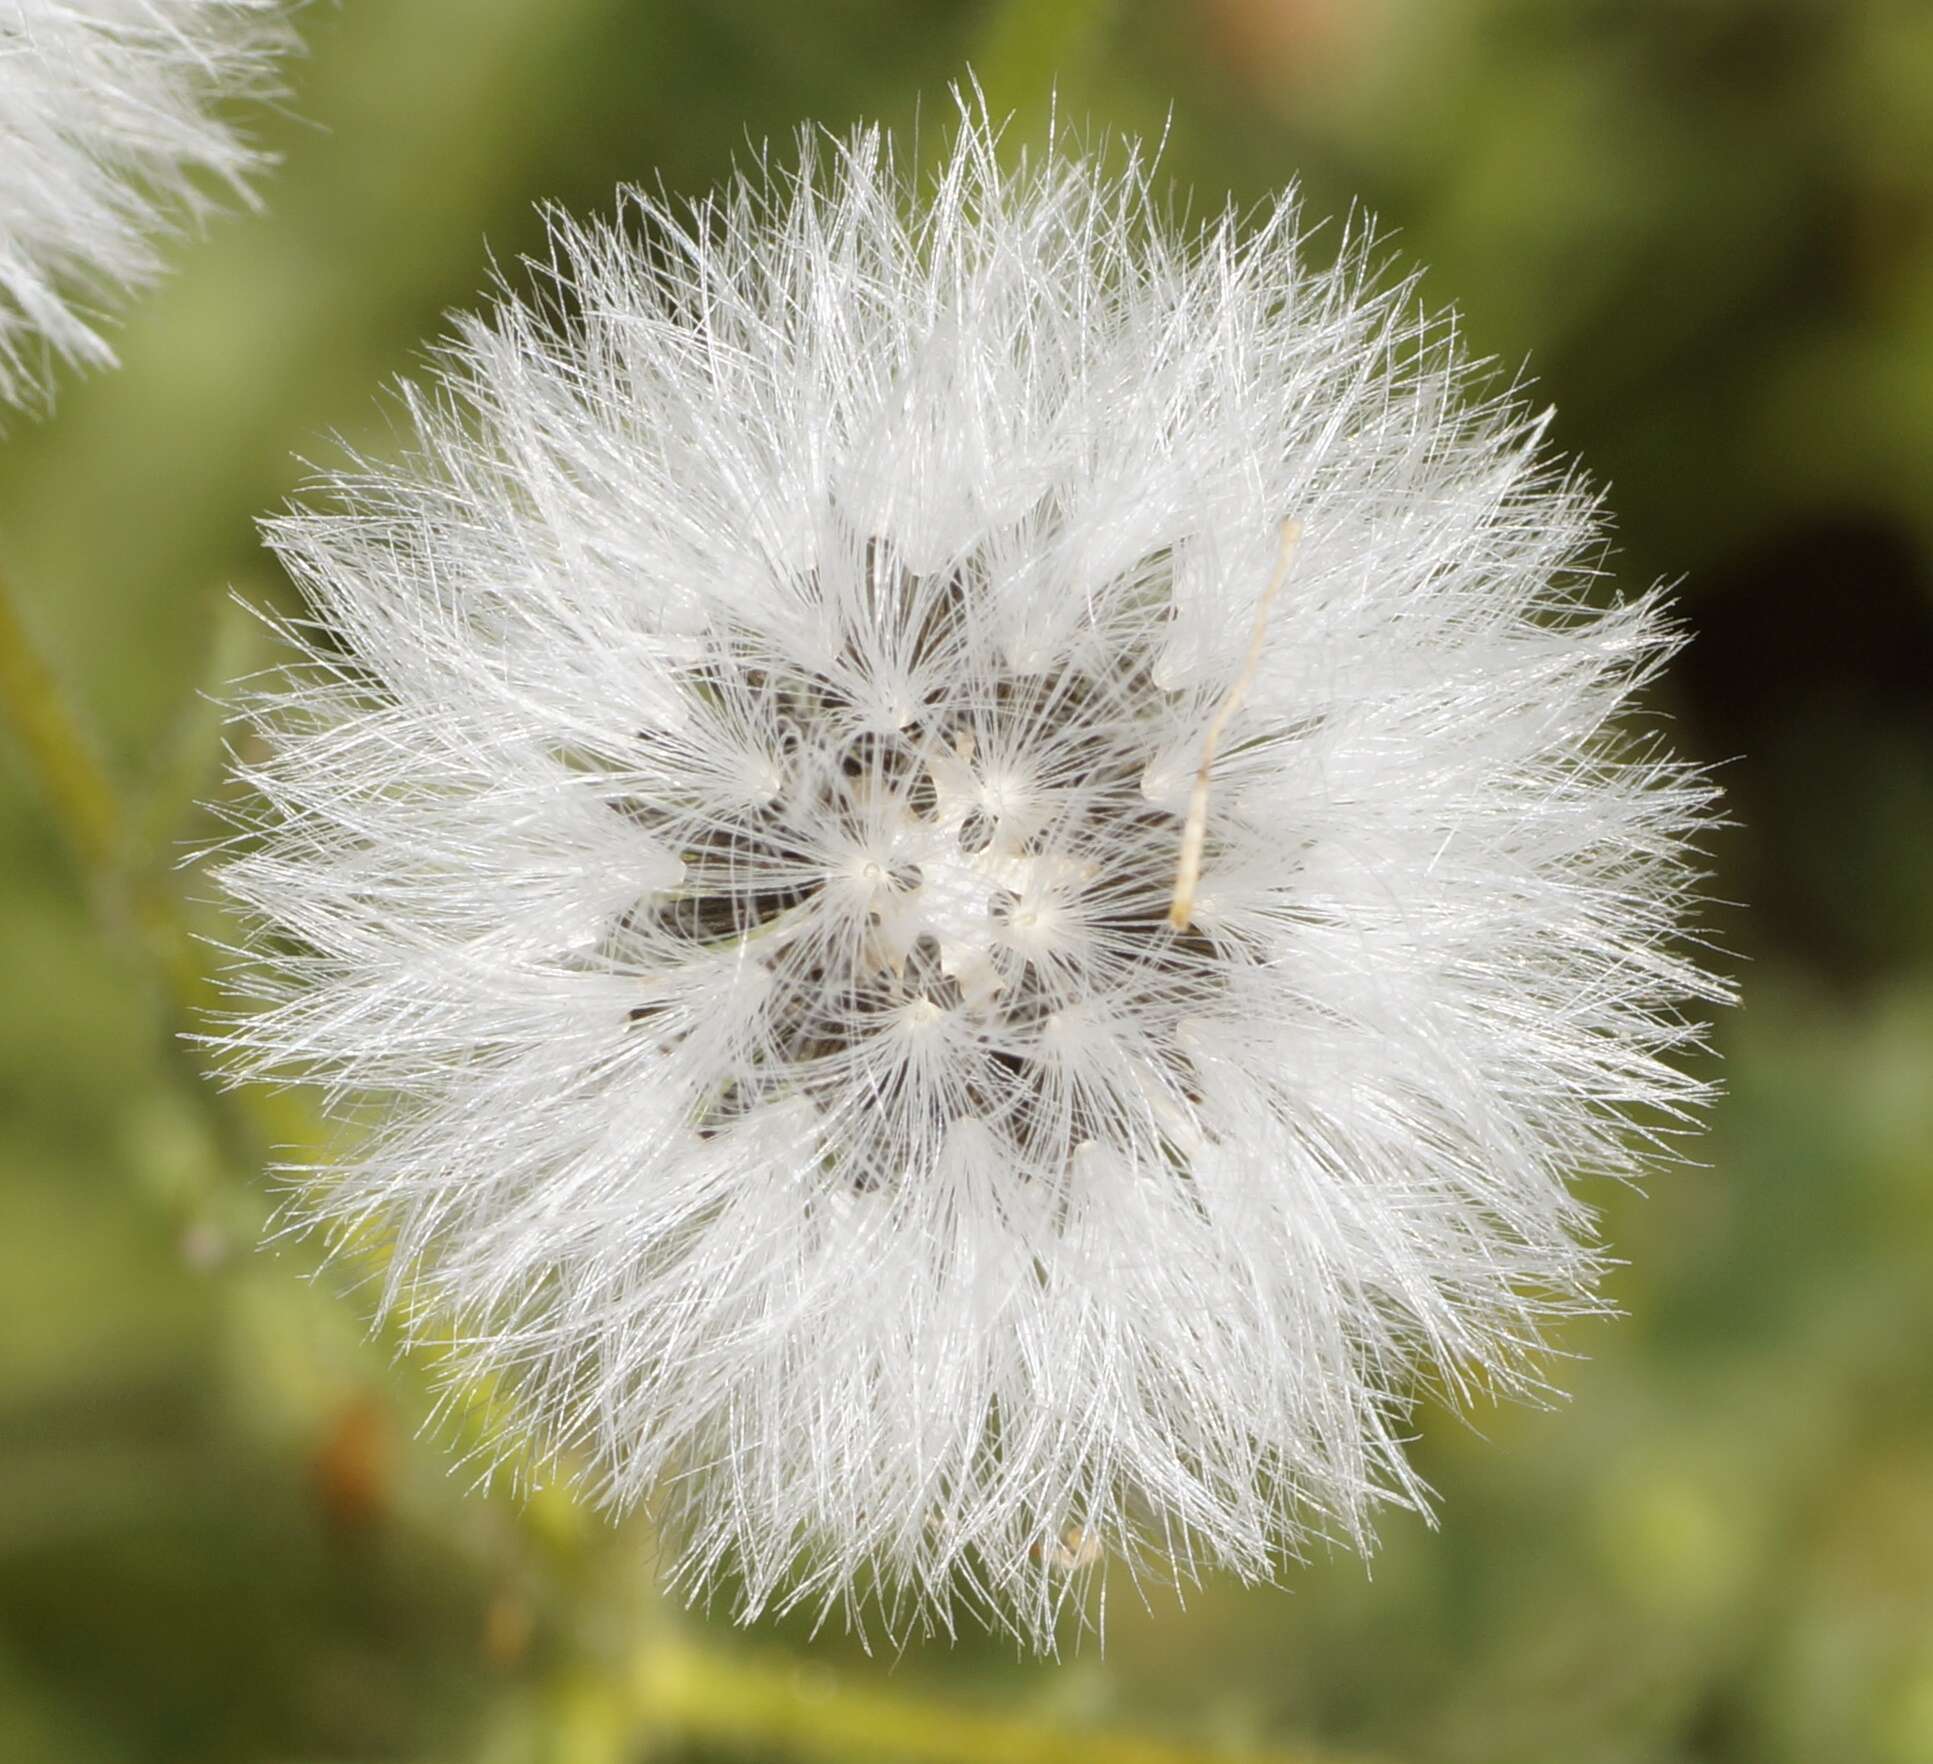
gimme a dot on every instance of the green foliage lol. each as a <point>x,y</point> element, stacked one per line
<point>1709,228</point>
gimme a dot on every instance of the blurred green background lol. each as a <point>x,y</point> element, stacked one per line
<point>1707,226</point>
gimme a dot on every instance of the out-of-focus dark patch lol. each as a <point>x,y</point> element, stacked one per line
<point>1812,673</point>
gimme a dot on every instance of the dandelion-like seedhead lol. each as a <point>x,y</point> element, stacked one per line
<point>727,841</point>
<point>106,133</point>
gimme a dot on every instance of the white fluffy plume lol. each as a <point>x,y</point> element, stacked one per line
<point>720,844</point>
<point>106,138</point>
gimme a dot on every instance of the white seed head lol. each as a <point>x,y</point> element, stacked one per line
<point>106,139</point>
<point>725,841</point>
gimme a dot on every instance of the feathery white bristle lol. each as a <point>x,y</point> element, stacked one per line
<point>719,839</point>
<point>107,138</point>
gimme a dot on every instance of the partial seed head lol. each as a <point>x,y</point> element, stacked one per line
<point>108,136</point>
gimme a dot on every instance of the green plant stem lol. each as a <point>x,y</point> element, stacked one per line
<point>86,809</point>
<point>137,904</point>
<point>60,756</point>
<point>804,1711</point>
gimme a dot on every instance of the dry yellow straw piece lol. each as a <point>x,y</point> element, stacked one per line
<point>1195,829</point>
